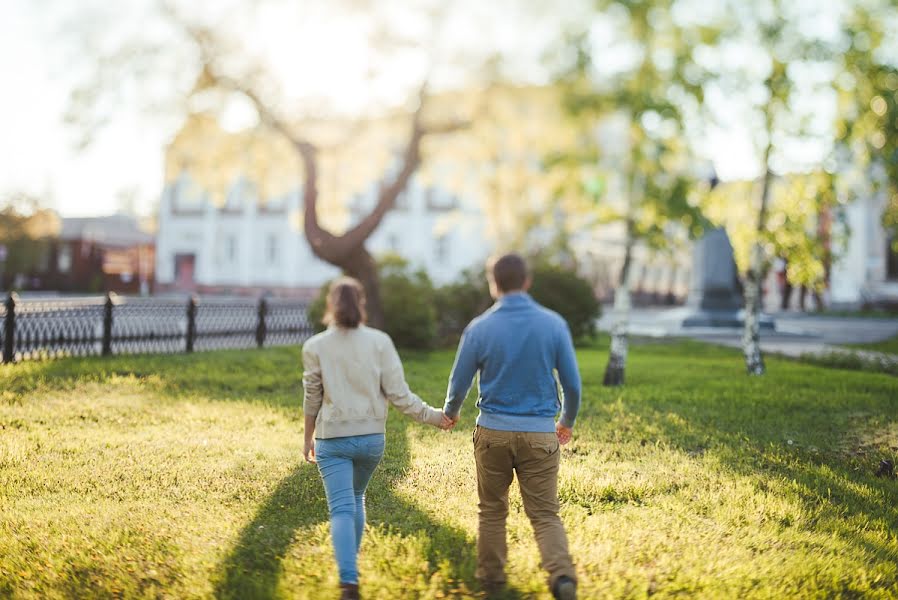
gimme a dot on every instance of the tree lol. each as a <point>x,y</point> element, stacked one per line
<point>867,88</point>
<point>801,213</point>
<point>345,250</point>
<point>27,230</point>
<point>518,193</point>
<point>786,60</point>
<point>224,70</point>
<point>650,98</point>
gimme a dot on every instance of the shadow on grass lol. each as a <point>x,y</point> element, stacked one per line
<point>860,509</point>
<point>253,566</point>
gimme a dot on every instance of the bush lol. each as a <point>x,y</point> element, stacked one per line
<point>315,311</point>
<point>459,302</point>
<point>421,317</point>
<point>556,288</point>
<point>410,313</point>
<point>853,361</point>
<point>408,299</point>
<point>568,294</point>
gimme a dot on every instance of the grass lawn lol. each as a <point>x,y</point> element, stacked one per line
<point>181,477</point>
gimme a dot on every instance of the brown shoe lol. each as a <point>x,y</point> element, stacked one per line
<point>565,589</point>
<point>349,591</point>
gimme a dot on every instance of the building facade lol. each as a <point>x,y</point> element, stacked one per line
<point>249,244</point>
<point>112,254</point>
<point>250,247</point>
<point>866,274</point>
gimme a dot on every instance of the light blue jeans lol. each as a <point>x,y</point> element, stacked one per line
<point>346,465</point>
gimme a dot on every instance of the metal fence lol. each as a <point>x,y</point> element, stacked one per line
<point>106,325</point>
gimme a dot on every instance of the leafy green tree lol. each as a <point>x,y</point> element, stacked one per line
<point>867,88</point>
<point>785,53</point>
<point>640,176</point>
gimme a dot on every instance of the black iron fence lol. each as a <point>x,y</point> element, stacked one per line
<point>107,325</point>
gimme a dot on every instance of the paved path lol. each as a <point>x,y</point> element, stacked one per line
<point>795,333</point>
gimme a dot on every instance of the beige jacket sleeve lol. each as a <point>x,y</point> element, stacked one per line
<point>397,392</point>
<point>311,382</point>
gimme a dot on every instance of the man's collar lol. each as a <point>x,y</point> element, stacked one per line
<point>515,299</point>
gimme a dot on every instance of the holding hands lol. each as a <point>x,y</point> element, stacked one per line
<point>446,422</point>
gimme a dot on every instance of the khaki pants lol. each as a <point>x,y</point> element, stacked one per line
<point>535,458</point>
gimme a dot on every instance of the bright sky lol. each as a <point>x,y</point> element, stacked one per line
<point>36,149</point>
<point>39,63</point>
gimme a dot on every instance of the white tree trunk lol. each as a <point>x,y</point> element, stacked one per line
<point>617,359</point>
<point>751,336</point>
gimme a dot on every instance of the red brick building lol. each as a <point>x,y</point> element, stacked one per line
<point>104,254</point>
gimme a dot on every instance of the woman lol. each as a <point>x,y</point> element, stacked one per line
<point>350,374</point>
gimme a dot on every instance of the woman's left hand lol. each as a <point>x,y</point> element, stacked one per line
<point>309,451</point>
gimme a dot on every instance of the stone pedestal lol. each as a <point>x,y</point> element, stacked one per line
<point>715,292</point>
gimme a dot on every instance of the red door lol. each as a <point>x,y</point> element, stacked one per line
<point>185,265</point>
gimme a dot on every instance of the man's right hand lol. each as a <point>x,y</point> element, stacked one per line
<point>564,433</point>
<point>448,422</point>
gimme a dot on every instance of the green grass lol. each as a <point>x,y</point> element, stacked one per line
<point>181,477</point>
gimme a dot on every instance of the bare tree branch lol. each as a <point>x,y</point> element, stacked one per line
<point>335,249</point>
<point>410,162</point>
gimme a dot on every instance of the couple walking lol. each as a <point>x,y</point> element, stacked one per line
<point>351,373</point>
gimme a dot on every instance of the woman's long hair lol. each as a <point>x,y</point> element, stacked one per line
<point>345,304</point>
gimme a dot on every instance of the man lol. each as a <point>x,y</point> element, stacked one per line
<point>516,346</point>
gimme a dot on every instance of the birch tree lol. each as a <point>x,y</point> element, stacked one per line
<point>784,69</point>
<point>634,67</point>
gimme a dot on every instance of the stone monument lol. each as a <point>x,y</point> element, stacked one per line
<point>715,292</point>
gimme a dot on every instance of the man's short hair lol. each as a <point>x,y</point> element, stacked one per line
<point>508,272</point>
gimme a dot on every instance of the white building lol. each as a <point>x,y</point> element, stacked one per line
<point>249,247</point>
<point>867,272</point>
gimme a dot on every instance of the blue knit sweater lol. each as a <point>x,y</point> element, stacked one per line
<point>517,346</point>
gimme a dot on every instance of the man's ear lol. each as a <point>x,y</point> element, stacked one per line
<point>494,290</point>
<point>527,283</point>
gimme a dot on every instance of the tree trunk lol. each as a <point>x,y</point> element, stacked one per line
<point>751,335</point>
<point>362,266</point>
<point>347,250</point>
<point>617,358</point>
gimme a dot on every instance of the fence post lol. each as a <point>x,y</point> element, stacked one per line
<point>261,328</point>
<point>191,323</point>
<point>107,324</point>
<point>9,330</point>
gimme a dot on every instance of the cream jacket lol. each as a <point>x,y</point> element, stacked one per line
<point>349,377</point>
